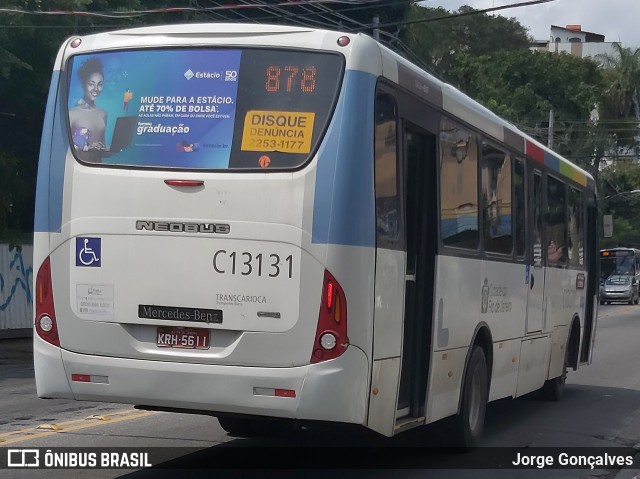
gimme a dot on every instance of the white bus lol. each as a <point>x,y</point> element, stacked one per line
<point>620,261</point>
<point>269,222</point>
<point>619,275</point>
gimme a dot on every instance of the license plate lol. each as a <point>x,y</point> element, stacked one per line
<point>183,338</point>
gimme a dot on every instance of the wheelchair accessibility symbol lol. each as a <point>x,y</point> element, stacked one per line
<point>88,252</point>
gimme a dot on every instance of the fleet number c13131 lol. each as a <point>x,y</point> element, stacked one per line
<point>246,264</point>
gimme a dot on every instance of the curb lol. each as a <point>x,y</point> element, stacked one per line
<point>19,348</point>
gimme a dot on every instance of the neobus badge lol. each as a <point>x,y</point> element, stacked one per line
<point>176,227</point>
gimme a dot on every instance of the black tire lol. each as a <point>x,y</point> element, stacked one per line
<point>238,426</point>
<point>473,404</point>
<point>255,426</point>
<point>553,389</point>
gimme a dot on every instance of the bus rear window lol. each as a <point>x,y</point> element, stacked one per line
<point>201,108</point>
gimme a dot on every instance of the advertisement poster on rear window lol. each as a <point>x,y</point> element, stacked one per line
<point>154,108</point>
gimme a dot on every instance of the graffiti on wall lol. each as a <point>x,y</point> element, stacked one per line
<point>15,280</point>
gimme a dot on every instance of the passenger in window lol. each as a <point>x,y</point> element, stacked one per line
<point>86,116</point>
<point>554,252</point>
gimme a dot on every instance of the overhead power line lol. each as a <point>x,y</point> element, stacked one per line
<point>137,13</point>
<point>319,6</point>
<point>311,9</point>
<point>466,14</point>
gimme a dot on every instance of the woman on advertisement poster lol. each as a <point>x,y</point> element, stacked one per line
<point>88,121</point>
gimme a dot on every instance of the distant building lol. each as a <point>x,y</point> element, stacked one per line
<point>572,39</point>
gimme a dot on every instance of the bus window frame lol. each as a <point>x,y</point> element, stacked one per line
<point>587,197</point>
<point>65,80</point>
<point>495,255</point>
<point>430,119</point>
<point>583,207</point>
<point>458,250</point>
<point>565,263</point>
<point>400,244</point>
<point>515,159</point>
<point>535,170</point>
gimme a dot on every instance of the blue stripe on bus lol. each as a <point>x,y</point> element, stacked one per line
<point>343,209</point>
<point>552,161</point>
<point>48,210</point>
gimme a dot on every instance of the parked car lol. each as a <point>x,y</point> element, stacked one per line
<point>619,288</point>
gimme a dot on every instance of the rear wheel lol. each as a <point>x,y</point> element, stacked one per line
<point>475,394</point>
<point>255,426</point>
<point>553,389</point>
<point>239,426</point>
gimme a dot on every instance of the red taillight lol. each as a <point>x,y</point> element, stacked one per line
<point>329,290</point>
<point>331,335</point>
<point>45,320</point>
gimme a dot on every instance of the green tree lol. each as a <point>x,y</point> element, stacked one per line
<point>621,102</point>
<point>488,58</point>
<point>28,46</point>
<point>439,41</point>
<point>623,74</point>
<point>524,86</point>
<point>16,201</point>
<point>624,208</point>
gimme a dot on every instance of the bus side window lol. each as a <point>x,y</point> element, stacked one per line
<point>519,206</point>
<point>537,207</point>
<point>496,200</point>
<point>556,224</point>
<point>458,186</point>
<point>386,173</point>
<point>576,228</point>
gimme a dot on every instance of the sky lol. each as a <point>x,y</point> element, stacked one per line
<point>617,20</point>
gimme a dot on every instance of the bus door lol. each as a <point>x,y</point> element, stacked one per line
<point>421,242</point>
<point>406,245</point>
<point>535,277</point>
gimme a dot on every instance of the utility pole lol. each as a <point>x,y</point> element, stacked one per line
<point>550,137</point>
<point>376,30</point>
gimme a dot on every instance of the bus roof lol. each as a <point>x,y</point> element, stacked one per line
<point>395,68</point>
<point>452,100</point>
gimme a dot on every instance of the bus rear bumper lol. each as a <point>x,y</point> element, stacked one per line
<point>51,378</point>
<point>335,390</point>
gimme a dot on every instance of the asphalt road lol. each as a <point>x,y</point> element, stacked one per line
<point>601,408</point>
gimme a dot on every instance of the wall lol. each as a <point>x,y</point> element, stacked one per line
<point>582,49</point>
<point>16,277</point>
<point>589,49</point>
